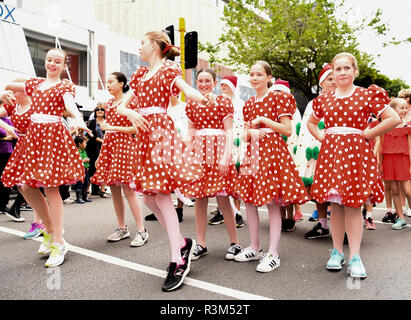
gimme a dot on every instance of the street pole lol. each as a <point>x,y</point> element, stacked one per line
<point>182,29</point>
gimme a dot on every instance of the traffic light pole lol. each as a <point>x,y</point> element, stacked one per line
<point>182,29</point>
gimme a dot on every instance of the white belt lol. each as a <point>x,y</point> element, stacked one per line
<point>210,132</point>
<point>152,110</point>
<point>44,118</point>
<point>343,130</point>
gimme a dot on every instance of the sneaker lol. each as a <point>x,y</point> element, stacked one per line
<point>317,232</point>
<point>390,217</point>
<point>199,251</point>
<point>394,217</point>
<point>239,222</point>
<point>217,219</point>
<point>14,214</point>
<point>69,201</point>
<point>356,268</point>
<point>45,247</point>
<point>232,251</point>
<point>140,238</point>
<point>187,202</point>
<point>248,254</point>
<point>80,201</point>
<point>216,211</point>
<point>369,224</point>
<point>175,276</point>
<point>118,235</point>
<point>188,250</point>
<point>34,231</point>
<point>26,207</point>
<point>314,216</point>
<point>58,251</point>
<point>4,210</point>
<point>408,212</point>
<point>336,261</point>
<point>399,224</point>
<point>288,225</point>
<point>150,217</point>
<point>298,216</point>
<point>87,200</point>
<point>268,263</point>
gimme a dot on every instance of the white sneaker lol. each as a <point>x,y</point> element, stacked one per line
<point>69,201</point>
<point>118,235</point>
<point>188,203</point>
<point>45,247</point>
<point>58,251</point>
<point>248,254</point>
<point>140,239</point>
<point>268,263</point>
<point>409,213</point>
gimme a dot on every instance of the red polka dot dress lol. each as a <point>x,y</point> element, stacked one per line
<point>118,160</point>
<point>268,172</point>
<point>166,164</point>
<point>347,171</point>
<point>208,146</point>
<point>21,122</point>
<point>50,157</point>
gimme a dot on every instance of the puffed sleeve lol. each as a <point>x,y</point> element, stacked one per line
<point>317,110</point>
<point>136,77</point>
<point>190,111</point>
<point>284,104</point>
<point>68,88</point>
<point>377,99</point>
<point>247,112</point>
<point>30,84</point>
<point>172,72</point>
<point>226,107</point>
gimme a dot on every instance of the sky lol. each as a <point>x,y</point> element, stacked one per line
<point>394,61</point>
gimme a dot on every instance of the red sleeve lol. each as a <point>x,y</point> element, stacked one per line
<point>247,112</point>
<point>226,107</point>
<point>136,77</point>
<point>284,104</point>
<point>378,99</point>
<point>318,112</point>
<point>172,72</point>
<point>30,84</point>
<point>68,88</point>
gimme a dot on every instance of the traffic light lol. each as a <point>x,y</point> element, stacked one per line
<point>191,49</point>
<point>170,32</point>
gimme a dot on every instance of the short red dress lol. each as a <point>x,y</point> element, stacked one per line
<point>118,160</point>
<point>21,122</point>
<point>347,171</point>
<point>396,154</point>
<point>50,158</point>
<point>268,173</point>
<point>166,163</point>
<point>208,146</point>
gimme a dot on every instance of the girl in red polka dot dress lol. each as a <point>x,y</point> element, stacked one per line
<point>117,165</point>
<point>268,175</point>
<point>50,157</point>
<point>347,173</point>
<point>396,160</point>
<point>166,164</point>
<point>210,137</point>
<point>19,113</point>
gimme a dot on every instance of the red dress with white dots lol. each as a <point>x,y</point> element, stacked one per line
<point>50,157</point>
<point>118,161</point>
<point>347,171</point>
<point>208,146</point>
<point>268,172</point>
<point>21,122</point>
<point>166,164</point>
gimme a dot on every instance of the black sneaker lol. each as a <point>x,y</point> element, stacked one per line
<point>150,217</point>
<point>288,225</point>
<point>394,217</point>
<point>174,277</point>
<point>239,222</point>
<point>188,249</point>
<point>232,251</point>
<point>199,251</point>
<point>14,213</point>
<point>217,219</point>
<point>26,207</point>
<point>318,232</point>
<point>216,211</point>
<point>4,210</point>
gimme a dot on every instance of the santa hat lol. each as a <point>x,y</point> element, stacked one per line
<point>230,81</point>
<point>327,69</point>
<point>281,85</point>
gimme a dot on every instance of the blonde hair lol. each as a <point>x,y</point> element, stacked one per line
<point>163,41</point>
<point>405,93</point>
<point>267,69</point>
<point>350,57</point>
<point>394,103</point>
<point>61,51</point>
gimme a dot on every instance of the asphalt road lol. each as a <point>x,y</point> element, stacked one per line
<point>97,270</point>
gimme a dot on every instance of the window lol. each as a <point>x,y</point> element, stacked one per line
<point>129,63</point>
<point>76,57</point>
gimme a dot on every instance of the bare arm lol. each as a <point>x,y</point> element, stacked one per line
<point>73,110</point>
<point>283,127</point>
<point>390,119</point>
<point>107,127</point>
<point>135,118</point>
<point>312,125</point>
<point>190,92</point>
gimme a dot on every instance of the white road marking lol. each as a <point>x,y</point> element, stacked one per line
<point>152,271</point>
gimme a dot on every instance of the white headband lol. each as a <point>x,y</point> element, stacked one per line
<point>325,75</point>
<point>280,87</point>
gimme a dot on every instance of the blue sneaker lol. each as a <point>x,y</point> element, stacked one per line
<point>314,216</point>
<point>356,268</point>
<point>34,231</point>
<point>399,224</point>
<point>336,261</point>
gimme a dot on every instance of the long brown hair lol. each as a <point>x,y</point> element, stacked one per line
<point>163,41</point>
<point>267,69</point>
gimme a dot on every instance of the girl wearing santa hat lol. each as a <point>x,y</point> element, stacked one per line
<point>347,172</point>
<point>307,155</point>
<point>210,135</point>
<point>268,175</point>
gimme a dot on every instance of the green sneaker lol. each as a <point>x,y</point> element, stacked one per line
<point>356,268</point>
<point>45,247</point>
<point>399,224</point>
<point>336,261</point>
